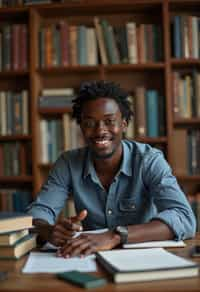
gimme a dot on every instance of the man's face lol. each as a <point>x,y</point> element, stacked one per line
<point>102,126</point>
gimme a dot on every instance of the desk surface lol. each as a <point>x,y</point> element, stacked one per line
<point>18,282</point>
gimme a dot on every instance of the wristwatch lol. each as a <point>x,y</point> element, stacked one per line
<point>123,233</point>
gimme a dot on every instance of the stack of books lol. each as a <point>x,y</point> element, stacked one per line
<point>15,240</point>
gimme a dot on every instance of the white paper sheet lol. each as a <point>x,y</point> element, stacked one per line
<point>148,244</point>
<point>44,262</point>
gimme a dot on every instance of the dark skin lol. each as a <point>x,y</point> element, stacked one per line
<point>102,125</point>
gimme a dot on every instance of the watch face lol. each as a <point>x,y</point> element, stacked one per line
<point>123,232</point>
<point>121,229</point>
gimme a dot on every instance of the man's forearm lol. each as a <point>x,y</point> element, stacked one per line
<point>154,230</point>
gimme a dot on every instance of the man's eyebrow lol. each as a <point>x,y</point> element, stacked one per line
<point>106,115</point>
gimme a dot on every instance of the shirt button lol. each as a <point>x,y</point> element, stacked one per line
<point>109,212</point>
<point>133,206</point>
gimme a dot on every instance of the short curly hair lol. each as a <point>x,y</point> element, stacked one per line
<point>92,90</point>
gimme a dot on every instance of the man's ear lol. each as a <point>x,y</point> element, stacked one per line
<point>124,125</point>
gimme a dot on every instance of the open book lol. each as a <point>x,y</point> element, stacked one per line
<point>132,265</point>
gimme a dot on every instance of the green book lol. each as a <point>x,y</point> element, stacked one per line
<point>84,280</point>
<point>20,248</point>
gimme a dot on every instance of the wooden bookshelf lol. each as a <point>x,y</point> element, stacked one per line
<point>155,75</point>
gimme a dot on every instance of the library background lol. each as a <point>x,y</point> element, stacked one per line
<point>47,48</point>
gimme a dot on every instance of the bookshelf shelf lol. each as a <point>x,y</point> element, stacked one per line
<point>13,73</point>
<point>189,178</point>
<point>135,67</point>
<point>184,122</point>
<point>182,63</point>
<point>15,137</point>
<point>16,179</point>
<point>68,70</point>
<point>54,111</point>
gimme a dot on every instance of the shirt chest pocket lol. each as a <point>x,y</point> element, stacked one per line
<point>127,205</point>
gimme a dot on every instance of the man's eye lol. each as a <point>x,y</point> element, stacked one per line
<point>89,124</point>
<point>110,122</point>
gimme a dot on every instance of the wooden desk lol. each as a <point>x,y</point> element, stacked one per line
<point>18,282</point>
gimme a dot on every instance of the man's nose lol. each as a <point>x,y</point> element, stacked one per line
<point>100,125</point>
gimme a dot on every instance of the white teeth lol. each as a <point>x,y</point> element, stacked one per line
<point>102,142</point>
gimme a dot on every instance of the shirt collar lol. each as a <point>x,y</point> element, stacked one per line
<point>125,167</point>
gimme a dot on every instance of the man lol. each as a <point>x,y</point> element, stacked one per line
<point>117,184</point>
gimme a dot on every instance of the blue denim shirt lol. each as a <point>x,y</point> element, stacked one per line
<point>144,188</point>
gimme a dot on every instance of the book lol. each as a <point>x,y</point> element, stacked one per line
<point>180,152</point>
<point>151,105</point>
<point>156,243</point>
<point>12,237</point>
<point>150,264</point>
<point>10,221</point>
<point>20,248</point>
<point>100,41</point>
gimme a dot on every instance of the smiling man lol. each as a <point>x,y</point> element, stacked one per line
<point>117,184</point>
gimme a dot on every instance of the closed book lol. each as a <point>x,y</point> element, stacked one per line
<point>12,237</point>
<point>152,113</point>
<point>10,221</point>
<point>57,91</point>
<point>145,265</point>
<point>56,101</point>
<point>20,248</point>
<point>100,41</point>
<point>82,45</point>
<point>177,37</point>
<point>120,36</point>
<point>64,43</point>
<point>140,111</point>
<point>92,52</point>
<point>132,42</point>
<point>180,152</point>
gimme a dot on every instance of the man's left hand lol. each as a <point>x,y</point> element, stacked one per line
<point>87,243</point>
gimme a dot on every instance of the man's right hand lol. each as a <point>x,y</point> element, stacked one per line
<point>66,228</point>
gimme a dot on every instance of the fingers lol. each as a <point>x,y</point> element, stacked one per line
<point>80,217</point>
<point>69,225</point>
<point>80,246</point>
<point>66,228</point>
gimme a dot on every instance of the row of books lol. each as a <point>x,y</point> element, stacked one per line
<point>186,155</point>
<point>185,34</point>
<point>14,200</point>
<point>15,158</point>
<point>13,47</point>
<point>58,135</point>
<point>56,98</point>
<point>14,109</point>
<point>62,44</point>
<point>149,113</point>
<point>186,94</point>
<point>15,239</point>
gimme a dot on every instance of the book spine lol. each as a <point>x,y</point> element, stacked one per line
<point>82,45</point>
<point>64,39</point>
<point>6,52</point>
<point>100,40</point>
<point>92,54</point>
<point>23,47</point>
<point>132,42</point>
<point>73,44</point>
<point>152,113</point>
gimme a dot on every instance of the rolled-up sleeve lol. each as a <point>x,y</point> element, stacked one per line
<point>171,203</point>
<point>53,194</point>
